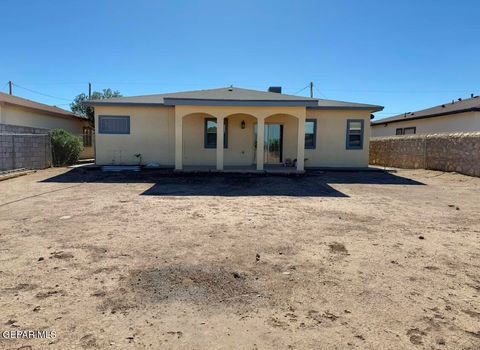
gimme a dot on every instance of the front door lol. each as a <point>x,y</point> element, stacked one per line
<point>273,147</point>
<point>273,143</point>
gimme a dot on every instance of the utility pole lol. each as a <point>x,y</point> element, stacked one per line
<point>89,91</point>
<point>311,89</point>
<point>10,84</point>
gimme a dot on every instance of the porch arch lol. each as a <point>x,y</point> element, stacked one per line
<point>184,115</point>
<point>293,143</point>
<point>240,150</point>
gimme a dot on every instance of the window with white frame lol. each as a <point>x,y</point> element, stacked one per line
<point>354,134</point>
<point>310,133</point>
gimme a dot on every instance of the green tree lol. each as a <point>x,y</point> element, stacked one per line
<point>78,106</point>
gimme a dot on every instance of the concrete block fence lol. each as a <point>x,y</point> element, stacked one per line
<point>24,147</point>
<point>459,152</point>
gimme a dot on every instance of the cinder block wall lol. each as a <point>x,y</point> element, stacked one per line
<point>24,147</point>
<point>458,152</point>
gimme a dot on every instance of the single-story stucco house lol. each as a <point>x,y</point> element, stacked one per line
<point>19,111</point>
<point>217,128</point>
<point>462,115</point>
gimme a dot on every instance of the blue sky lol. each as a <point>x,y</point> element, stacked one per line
<point>405,55</point>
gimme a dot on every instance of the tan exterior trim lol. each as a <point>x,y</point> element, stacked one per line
<point>220,132</point>
<point>178,142</point>
<point>260,141</point>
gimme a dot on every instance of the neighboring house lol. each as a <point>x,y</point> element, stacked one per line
<point>456,116</point>
<point>218,128</point>
<point>22,112</point>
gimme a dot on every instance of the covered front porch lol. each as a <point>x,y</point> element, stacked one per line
<point>226,139</point>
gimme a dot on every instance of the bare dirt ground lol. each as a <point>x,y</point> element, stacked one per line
<point>324,261</point>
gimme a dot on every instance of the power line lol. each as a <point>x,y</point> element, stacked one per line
<point>163,84</point>
<point>315,87</point>
<point>41,93</point>
<point>299,91</point>
<point>401,91</point>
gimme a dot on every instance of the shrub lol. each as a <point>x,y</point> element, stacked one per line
<point>66,147</point>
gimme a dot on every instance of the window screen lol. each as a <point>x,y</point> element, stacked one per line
<point>409,131</point>
<point>114,124</point>
<point>87,137</point>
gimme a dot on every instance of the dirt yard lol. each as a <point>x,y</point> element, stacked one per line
<point>325,261</point>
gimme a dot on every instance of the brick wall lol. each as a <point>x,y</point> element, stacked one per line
<point>24,147</point>
<point>458,152</point>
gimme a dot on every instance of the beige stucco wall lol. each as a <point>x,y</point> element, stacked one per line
<point>240,150</point>
<point>153,136</point>
<point>461,122</point>
<point>15,115</point>
<point>193,133</point>
<point>331,139</point>
<point>241,142</point>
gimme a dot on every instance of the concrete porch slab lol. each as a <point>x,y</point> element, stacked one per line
<point>279,170</point>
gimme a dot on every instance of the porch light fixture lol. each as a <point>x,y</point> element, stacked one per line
<point>242,124</point>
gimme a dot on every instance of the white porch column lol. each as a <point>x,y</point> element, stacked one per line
<point>301,144</point>
<point>260,142</point>
<point>220,142</point>
<point>178,142</point>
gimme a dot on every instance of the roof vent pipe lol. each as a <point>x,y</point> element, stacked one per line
<point>276,89</point>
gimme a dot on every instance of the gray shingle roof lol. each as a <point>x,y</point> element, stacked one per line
<point>467,105</point>
<point>231,95</point>
<point>222,94</point>
<point>23,102</point>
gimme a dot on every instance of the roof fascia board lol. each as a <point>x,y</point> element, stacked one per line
<point>235,103</point>
<point>122,104</point>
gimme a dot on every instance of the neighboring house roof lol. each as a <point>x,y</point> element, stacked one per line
<point>23,102</point>
<point>468,105</point>
<point>230,96</point>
